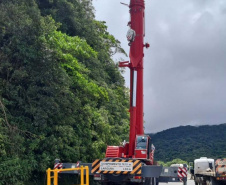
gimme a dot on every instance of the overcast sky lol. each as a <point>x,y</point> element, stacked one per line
<point>185,66</point>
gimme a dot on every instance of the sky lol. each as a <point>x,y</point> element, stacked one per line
<point>185,66</point>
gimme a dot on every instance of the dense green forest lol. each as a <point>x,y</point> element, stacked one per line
<point>190,142</point>
<point>61,94</point>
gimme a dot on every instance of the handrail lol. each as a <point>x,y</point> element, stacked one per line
<point>56,171</point>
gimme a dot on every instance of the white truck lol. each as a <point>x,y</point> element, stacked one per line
<point>209,171</point>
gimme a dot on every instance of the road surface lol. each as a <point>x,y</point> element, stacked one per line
<point>189,182</point>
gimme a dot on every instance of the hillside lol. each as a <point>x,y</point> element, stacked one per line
<point>61,94</point>
<point>190,142</point>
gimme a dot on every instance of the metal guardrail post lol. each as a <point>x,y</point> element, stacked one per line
<point>87,175</point>
<point>48,176</point>
<point>55,180</point>
<point>82,175</point>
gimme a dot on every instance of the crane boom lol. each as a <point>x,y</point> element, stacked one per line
<point>136,55</point>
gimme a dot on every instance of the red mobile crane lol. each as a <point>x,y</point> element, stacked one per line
<point>127,163</point>
<point>133,162</point>
<point>136,38</point>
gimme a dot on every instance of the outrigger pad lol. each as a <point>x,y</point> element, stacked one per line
<point>151,171</point>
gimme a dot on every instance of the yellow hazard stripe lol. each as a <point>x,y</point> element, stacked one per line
<point>94,169</point>
<point>136,166</point>
<point>139,166</point>
<point>99,165</point>
<point>95,162</point>
<point>135,163</point>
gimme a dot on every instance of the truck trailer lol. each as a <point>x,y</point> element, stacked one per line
<point>209,171</point>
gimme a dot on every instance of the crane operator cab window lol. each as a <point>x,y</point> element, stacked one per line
<point>141,142</point>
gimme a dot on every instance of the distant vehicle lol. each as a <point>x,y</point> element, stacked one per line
<point>176,165</point>
<point>174,173</point>
<point>209,171</point>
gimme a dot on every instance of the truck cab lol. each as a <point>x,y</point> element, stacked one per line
<point>142,147</point>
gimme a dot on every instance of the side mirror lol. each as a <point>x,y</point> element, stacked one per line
<point>211,166</point>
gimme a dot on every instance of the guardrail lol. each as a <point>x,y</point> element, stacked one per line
<point>55,173</point>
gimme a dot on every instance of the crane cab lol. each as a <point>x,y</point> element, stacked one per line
<point>142,147</point>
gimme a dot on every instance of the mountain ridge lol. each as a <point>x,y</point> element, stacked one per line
<point>190,142</point>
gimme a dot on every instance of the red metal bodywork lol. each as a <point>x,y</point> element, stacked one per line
<point>141,154</point>
<point>136,60</point>
<point>136,84</point>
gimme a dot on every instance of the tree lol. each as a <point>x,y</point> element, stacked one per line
<point>61,96</point>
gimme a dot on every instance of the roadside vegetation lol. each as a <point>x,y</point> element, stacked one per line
<point>174,161</point>
<point>61,94</point>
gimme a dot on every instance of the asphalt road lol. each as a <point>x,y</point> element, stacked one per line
<point>189,182</point>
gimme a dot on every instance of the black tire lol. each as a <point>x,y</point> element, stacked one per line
<point>154,181</point>
<point>213,181</point>
<point>208,182</point>
<point>151,181</point>
<point>195,179</point>
<point>115,179</point>
<point>104,183</point>
<point>196,183</point>
<point>157,181</point>
<point>148,181</point>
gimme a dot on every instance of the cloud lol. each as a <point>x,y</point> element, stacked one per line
<point>185,67</point>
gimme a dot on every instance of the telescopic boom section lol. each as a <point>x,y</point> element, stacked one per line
<point>136,72</point>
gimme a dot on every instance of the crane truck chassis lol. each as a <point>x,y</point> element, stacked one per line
<point>146,175</point>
